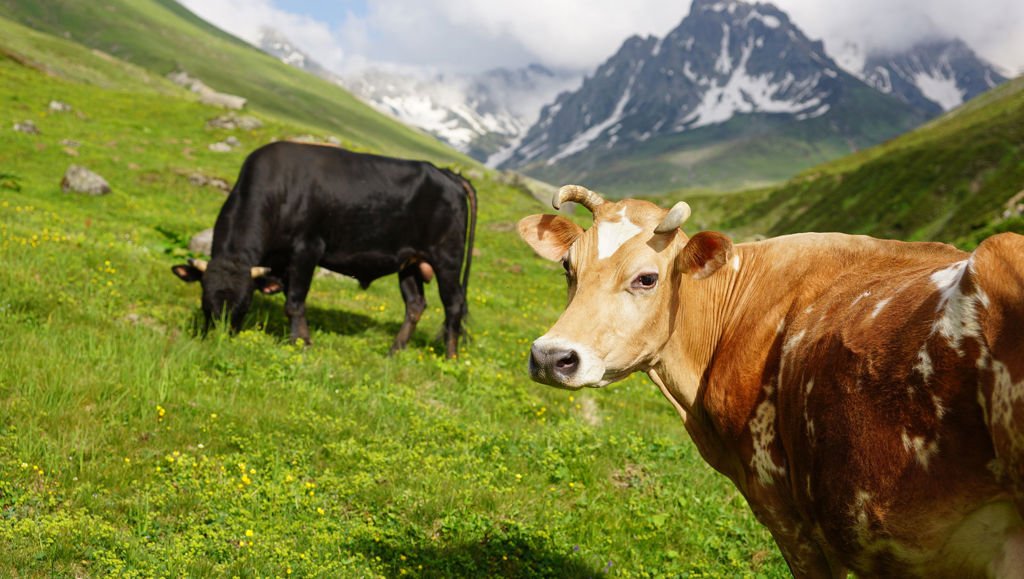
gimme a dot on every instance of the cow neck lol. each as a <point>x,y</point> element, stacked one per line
<point>720,339</point>
<point>698,318</point>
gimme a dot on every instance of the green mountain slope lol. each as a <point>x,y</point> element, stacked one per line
<point>132,447</point>
<point>954,179</point>
<point>163,37</point>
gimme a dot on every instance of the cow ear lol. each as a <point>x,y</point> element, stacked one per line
<point>704,254</point>
<point>187,272</point>
<point>550,236</point>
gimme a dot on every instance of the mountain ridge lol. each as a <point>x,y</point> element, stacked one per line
<point>727,64</point>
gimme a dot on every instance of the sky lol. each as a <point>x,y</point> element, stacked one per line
<point>474,35</point>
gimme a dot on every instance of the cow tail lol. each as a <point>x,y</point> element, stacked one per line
<point>471,197</point>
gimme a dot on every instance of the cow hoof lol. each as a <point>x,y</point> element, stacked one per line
<point>302,342</point>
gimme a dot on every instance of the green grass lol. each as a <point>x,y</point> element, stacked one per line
<point>131,446</point>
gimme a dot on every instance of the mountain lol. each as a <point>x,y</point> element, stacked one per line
<point>276,44</point>
<point>735,95</point>
<point>958,179</point>
<point>481,115</point>
<point>477,114</point>
<point>933,76</point>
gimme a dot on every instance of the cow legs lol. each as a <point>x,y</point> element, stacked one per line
<point>411,284</point>
<point>454,299</point>
<point>300,277</point>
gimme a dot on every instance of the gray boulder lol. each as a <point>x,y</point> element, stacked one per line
<point>232,121</point>
<point>207,95</point>
<point>222,100</point>
<point>60,107</point>
<point>78,179</point>
<point>27,127</point>
<point>202,242</point>
<point>200,180</point>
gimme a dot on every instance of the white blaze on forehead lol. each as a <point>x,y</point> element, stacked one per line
<point>612,234</point>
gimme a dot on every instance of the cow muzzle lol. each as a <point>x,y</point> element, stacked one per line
<point>564,364</point>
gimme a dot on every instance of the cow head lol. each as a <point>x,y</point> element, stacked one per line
<point>227,287</point>
<point>624,276</point>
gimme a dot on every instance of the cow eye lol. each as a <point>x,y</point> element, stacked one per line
<point>645,281</point>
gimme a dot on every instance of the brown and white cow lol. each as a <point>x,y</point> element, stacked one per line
<point>866,396</point>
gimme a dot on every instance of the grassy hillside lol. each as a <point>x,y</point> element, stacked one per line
<point>951,180</point>
<point>163,37</point>
<point>131,447</point>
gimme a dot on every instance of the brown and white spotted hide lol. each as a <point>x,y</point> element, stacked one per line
<point>866,396</point>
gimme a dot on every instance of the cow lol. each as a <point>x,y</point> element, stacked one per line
<point>299,205</point>
<point>865,396</point>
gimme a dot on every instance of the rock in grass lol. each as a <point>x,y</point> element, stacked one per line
<point>202,242</point>
<point>200,180</point>
<point>27,127</point>
<point>232,121</point>
<point>59,106</point>
<point>78,179</point>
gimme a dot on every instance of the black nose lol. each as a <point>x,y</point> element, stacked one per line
<point>555,362</point>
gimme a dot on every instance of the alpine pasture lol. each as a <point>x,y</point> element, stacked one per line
<point>131,446</point>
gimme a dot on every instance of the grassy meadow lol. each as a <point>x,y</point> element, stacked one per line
<point>130,446</point>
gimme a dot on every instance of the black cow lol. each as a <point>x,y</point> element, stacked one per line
<point>299,205</point>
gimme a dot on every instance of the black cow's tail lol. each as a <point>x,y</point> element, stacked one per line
<point>470,234</point>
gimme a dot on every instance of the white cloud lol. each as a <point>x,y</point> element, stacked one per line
<point>469,35</point>
<point>245,18</point>
<point>990,27</point>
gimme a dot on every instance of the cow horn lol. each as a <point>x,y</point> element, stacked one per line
<point>578,194</point>
<point>678,215</point>
<point>199,264</point>
<point>259,271</point>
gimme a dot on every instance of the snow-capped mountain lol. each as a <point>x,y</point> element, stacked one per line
<point>726,58</point>
<point>933,76</point>
<point>479,115</point>
<point>277,45</point>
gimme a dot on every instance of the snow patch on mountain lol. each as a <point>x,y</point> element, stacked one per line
<point>583,140</point>
<point>480,115</point>
<point>934,76</point>
<point>940,88</point>
<point>747,93</point>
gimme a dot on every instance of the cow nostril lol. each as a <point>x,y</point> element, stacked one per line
<point>568,363</point>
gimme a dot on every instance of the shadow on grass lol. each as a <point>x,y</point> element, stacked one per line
<point>514,555</point>
<point>269,311</point>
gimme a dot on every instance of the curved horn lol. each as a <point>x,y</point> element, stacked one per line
<point>578,194</point>
<point>259,271</point>
<point>678,215</point>
<point>199,264</point>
